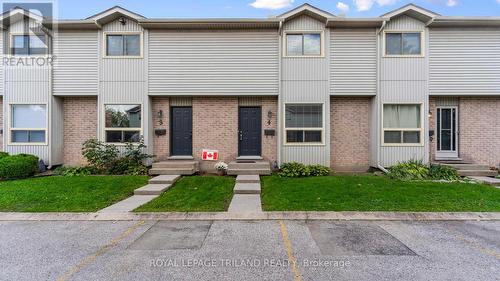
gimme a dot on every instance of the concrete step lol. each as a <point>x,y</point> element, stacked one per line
<point>245,203</point>
<point>234,172</point>
<point>488,180</point>
<point>172,171</point>
<point>245,165</point>
<point>248,179</point>
<point>129,204</point>
<point>180,164</point>
<point>152,189</point>
<point>164,179</point>
<point>477,173</point>
<point>247,188</point>
<point>468,166</point>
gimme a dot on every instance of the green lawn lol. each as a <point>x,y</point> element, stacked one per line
<point>373,193</point>
<point>66,194</point>
<point>194,194</point>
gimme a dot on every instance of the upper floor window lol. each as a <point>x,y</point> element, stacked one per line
<point>122,123</point>
<point>304,124</point>
<point>403,43</point>
<point>303,44</point>
<point>28,123</point>
<point>123,45</point>
<point>29,45</point>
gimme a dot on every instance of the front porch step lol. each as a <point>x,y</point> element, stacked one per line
<point>152,189</point>
<point>477,173</point>
<point>247,188</point>
<point>179,164</point>
<point>468,166</point>
<point>175,167</point>
<point>235,172</point>
<point>249,168</point>
<point>172,171</point>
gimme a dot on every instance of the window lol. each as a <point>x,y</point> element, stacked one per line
<point>406,44</point>
<point>306,44</point>
<point>402,124</point>
<point>123,45</point>
<point>304,123</point>
<point>123,123</point>
<point>28,123</point>
<point>29,45</point>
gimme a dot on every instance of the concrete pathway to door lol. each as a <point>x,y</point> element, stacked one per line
<point>246,197</point>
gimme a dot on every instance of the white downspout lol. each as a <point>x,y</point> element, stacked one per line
<point>379,102</point>
<point>278,114</point>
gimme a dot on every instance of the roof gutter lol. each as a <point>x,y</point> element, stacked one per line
<point>379,100</point>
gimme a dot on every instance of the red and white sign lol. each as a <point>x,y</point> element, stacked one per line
<point>209,155</point>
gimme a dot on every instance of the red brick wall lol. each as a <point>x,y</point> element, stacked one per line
<point>350,137</point>
<point>269,144</point>
<point>80,124</point>
<point>479,129</point>
<point>161,143</point>
<point>215,126</point>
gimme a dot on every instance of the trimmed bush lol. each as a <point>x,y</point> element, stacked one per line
<point>294,170</point>
<point>18,166</point>
<point>416,170</point>
<point>409,170</point>
<point>442,172</point>
<point>297,170</point>
<point>319,170</point>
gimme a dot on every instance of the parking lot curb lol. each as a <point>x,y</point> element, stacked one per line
<point>364,216</point>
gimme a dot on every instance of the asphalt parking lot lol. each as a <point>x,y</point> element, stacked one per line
<point>249,250</point>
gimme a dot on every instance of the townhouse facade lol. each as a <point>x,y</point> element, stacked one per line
<point>305,86</point>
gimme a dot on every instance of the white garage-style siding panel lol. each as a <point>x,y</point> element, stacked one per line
<point>76,63</point>
<point>215,62</point>
<point>464,61</point>
<point>353,62</point>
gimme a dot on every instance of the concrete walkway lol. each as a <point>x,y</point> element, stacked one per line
<point>143,195</point>
<point>221,216</point>
<point>246,197</point>
<point>487,180</point>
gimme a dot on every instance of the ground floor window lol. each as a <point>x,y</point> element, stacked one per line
<point>304,124</point>
<point>28,123</point>
<point>402,124</point>
<point>123,123</point>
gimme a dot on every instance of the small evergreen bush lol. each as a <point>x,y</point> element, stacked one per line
<point>18,166</point>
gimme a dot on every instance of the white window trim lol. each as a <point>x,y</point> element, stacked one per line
<point>10,119</point>
<point>11,43</point>
<point>322,129</point>
<point>104,128</point>
<point>422,44</point>
<point>105,44</point>
<point>421,129</point>
<point>297,32</point>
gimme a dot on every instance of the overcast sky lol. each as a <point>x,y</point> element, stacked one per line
<point>72,9</point>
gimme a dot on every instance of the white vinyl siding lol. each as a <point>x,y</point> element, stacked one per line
<point>464,61</point>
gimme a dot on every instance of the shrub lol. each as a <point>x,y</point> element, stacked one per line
<point>3,154</point>
<point>18,166</point>
<point>74,171</point>
<point>294,170</point>
<point>409,170</point>
<point>442,172</point>
<point>127,166</point>
<point>319,170</point>
<point>135,152</point>
<point>99,155</point>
